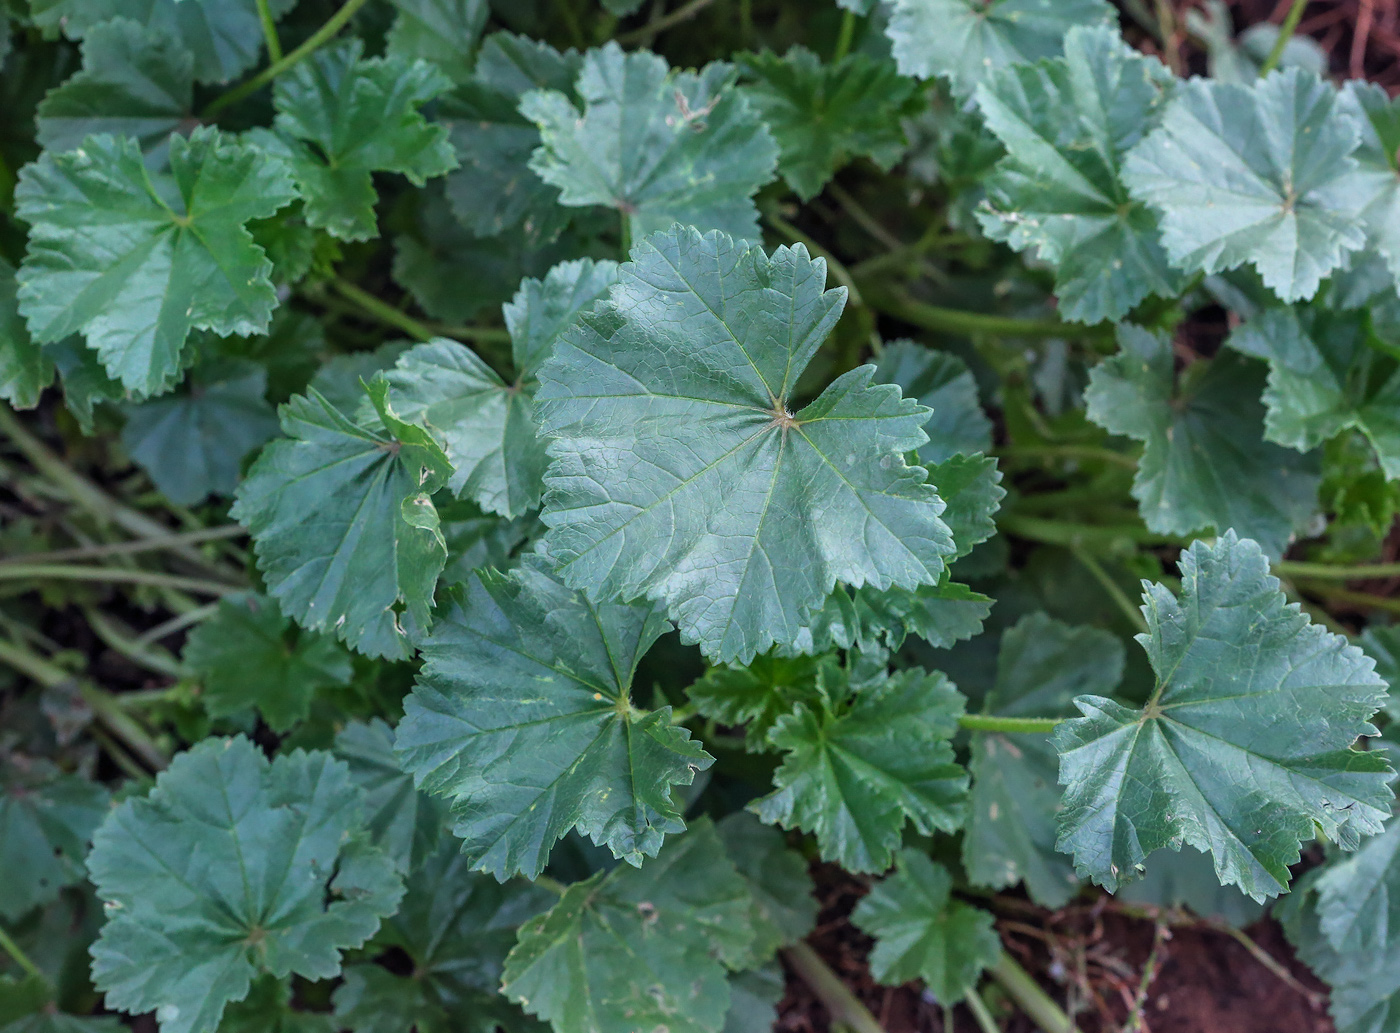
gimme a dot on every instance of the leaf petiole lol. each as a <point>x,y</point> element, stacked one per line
<point>20,958</point>
<point>842,1005</point>
<point>1285,33</point>
<point>269,28</point>
<point>1010,725</point>
<point>112,575</point>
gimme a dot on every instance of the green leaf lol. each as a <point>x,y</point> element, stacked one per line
<point>57,1022</point>
<point>486,426</point>
<point>753,1000</point>
<point>230,867</point>
<point>46,820</point>
<point>192,444</point>
<point>442,32</point>
<point>638,948</point>
<point>341,118</point>
<point>268,1009</point>
<point>658,145</point>
<point>136,82</point>
<point>25,370</point>
<point>343,523</point>
<point>755,695</point>
<point>922,933</point>
<point>678,472</point>
<point>136,261</point>
<point>1325,377</point>
<point>1186,878</point>
<point>965,41</point>
<point>942,382</point>
<point>224,36</point>
<point>494,190</point>
<point>456,928</point>
<point>868,618</point>
<point>1244,748</point>
<point>248,654</point>
<point>784,909</point>
<point>822,116</point>
<point>84,379</point>
<point>1041,666</point>
<point>858,765</point>
<point>1382,644</point>
<point>1205,463</point>
<point>970,485</point>
<point>522,717</point>
<point>1248,174</point>
<point>1358,897</point>
<point>1066,124</point>
<point>1374,187</point>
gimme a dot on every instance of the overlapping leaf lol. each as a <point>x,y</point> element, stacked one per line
<point>404,823</point>
<point>784,909</point>
<point>922,933</point>
<point>678,472</point>
<point>659,146</point>
<point>522,717</point>
<point>249,655</point>
<point>135,261</point>
<point>230,867</point>
<point>344,527</point>
<point>443,32</point>
<point>822,116</point>
<point>639,948</point>
<point>964,41</point>
<point>486,426</point>
<point>1374,187</point>
<point>1244,748</point>
<point>268,1009</point>
<point>1066,124</point>
<point>24,368</point>
<point>1205,463</point>
<point>46,820</point>
<point>942,382</point>
<point>757,694</point>
<point>1250,174</point>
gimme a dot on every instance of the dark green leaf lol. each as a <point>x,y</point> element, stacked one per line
<point>942,382</point>
<point>25,370</point>
<point>444,32</point>
<point>46,820</point>
<point>784,909</point>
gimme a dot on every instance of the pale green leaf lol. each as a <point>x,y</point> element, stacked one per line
<point>678,472</point>
<point>942,382</point>
<point>1373,189</point>
<point>1358,897</point>
<point>1382,644</point>
<point>1245,747</point>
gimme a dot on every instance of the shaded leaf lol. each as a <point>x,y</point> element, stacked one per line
<point>942,382</point>
<point>784,909</point>
<point>25,370</point>
<point>46,820</point>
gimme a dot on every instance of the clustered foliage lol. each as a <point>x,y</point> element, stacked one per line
<point>607,567</point>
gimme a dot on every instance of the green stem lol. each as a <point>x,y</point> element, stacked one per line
<point>956,321</point>
<point>1285,33</point>
<point>1328,572</point>
<point>112,575</point>
<point>177,623</point>
<point>1111,587</point>
<point>843,41</point>
<point>554,886</point>
<point>324,34</point>
<point>269,28</point>
<point>475,334</point>
<point>153,658</point>
<point>381,310</point>
<point>842,1005</point>
<point>839,272</point>
<point>165,541</point>
<point>118,753</point>
<point>1009,725</point>
<point>981,1013</point>
<point>1029,997</point>
<point>21,959</point>
<point>746,24</point>
<point>1071,535</point>
<point>1346,595</point>
<point>647,33</point>
<point>862,218</point>
<point>1091,453</point>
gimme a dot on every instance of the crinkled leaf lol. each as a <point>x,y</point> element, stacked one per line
<point>922,933</point>
<point>136,81</point>
<point>486,426</point>
<point>870,618</point>
<point>658,145</point>
<point>784,909</point>
<point>858,767</point>
<point>638,948</point>
<point>678,473</point>
<point>755,695</point>
<point>248,654</point>
<point>522,717</point>
<point>25,370</point>
<point>942,382</point>
<point>964,41</point>
<point>1373,189</point>
<point>1325,377</point>
<point>343,524</point>
<point>1205,462</point>
<point>1066,124</point>
<point>1244,748</point>
<point>1041,666</point>
<point>443,32</point>
<point>341,118</point>
<point>823,115</point>
<point>404,823</point>
<point>193,443</point>
<point>1248,174</point>
<point>494,189</point>
<point>230,867</point>
<point>46,820</point>
<point>456,928</point>
<point>135,261</point>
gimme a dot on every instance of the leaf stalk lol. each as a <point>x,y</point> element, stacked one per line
<point>842,1005</point>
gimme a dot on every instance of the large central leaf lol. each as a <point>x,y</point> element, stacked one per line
<point>679,473</point>
<point>1244,748</point>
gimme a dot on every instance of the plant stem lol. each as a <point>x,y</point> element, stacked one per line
<point>746,23</point>
<point>381,310</point>
<point>848,34</point>
<point>1328,572</point>
<point>1285,33</point>
<point>842,1005</point>
<point>269,28</point>
<point>625,234</point>
<point>1359,599</point>
<point>477,334</point>
<point>153,658</point>
<point>165,541</point>
<point>112,575</point>
<point>1090,453</point>
<point>554,886</point>
<point>839,272</point>
<point>861,217</point>
<point>1111,587</point>
<point>980,1012</point>
<point>324,34</point>
<point>956,321</point>
<point>1070,535</point>
<point>647,33</point>
<point>20,958</point>
<point>177,623</point>
<point>1149,972</point>
<point>1031,999</point>
<point>118,753</point>
<point>1009,725</point>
